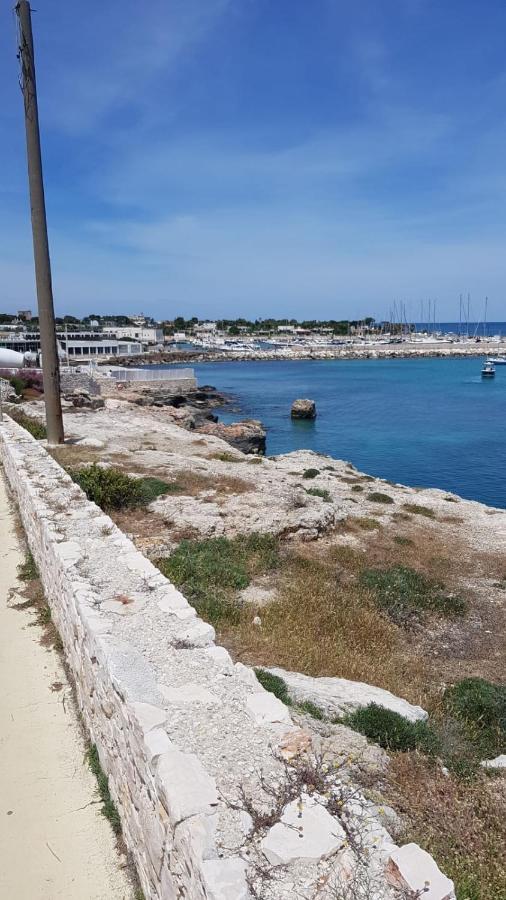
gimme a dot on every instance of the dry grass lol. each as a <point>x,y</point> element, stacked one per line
<point>462,823</point>
<point>321,625</point>
<point>72,455</point>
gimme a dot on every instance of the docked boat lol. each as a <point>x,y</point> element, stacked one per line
<point>498,361</point>
<point>488,370</point>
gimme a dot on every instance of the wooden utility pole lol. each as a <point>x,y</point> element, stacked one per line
<point>49,350</point>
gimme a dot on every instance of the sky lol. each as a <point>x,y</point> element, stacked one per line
<point>223,158</point>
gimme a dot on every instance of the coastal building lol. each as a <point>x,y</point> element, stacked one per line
<point>206,327</point>
<point>25,315</point>
<point>142,333</point>
<point>76,344</point>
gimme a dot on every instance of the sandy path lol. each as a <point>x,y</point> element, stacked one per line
<point>54,841</point>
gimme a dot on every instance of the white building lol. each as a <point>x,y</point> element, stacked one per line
<point>142,333</point>
<point>206,326</point>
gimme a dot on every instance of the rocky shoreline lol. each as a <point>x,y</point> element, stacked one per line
<point>378,351</point>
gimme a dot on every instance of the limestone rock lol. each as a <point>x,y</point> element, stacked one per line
<point>498,763</point>
<point>248,436</point>
<point>306,831</point>
<point>413,869</point>
<point>226,879</point>
<point>264,708</point>
<point>294,743</point>
<point>337,696</point>
<point>303,409</point>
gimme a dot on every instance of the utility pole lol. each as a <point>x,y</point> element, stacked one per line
<point>49,350</point>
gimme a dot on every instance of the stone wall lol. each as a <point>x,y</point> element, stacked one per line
<point>71,381</point>
<point>182,733</point>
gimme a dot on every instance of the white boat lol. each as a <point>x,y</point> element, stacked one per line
<point>488,370</point>
<point>498,361</point>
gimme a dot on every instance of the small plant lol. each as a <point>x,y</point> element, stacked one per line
<point>109,809</point>
<point>420,510</point>
<point>450,499</point>
<point>312,710</point>
<point>18,384</point>
<point>319,492</point>
<point>113,489</point>
<point>27,570</point>
<point>481,706</point>
<point>275,685</point>
<point>378,497</point>
<point>403,541</point>
<point>226,457</point>
<point>366,523</point>
<point>404,594</point>
<point>36,429</point>
<point>391,730</point>
<point>310,473</point>
<point>357,488</point>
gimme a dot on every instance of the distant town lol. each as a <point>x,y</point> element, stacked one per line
<point>122,337</point>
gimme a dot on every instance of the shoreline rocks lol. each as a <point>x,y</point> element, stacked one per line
<point>248,435</point>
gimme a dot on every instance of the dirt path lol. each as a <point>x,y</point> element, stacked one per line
<point>55,842</point>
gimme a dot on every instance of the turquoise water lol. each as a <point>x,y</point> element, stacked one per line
<point>426,422</point>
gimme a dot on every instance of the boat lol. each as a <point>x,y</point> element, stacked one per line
<point>498,361</point>
<point>488,370</point>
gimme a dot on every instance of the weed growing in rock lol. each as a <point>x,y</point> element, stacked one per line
<point>310,473</point>
<point>378,497</point>
<point>212,571</point>
<point>319,492</point>
<point>109,809</point>
<point>113,489</point>
<point>226,457</point>
<point>420,510</point>
<point>312,710</point>
<point>274,684</point>
<point>405,594</point>
<point>357,488</point>
<point>391,730</point>
<point>36,429</point>
<point>403,541</point>
<point>27,570</point>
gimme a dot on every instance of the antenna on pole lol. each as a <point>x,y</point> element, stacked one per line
<point>49,351</point>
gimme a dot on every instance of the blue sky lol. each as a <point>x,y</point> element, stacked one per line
<point>312,158</point>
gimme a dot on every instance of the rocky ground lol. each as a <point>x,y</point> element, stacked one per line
<point>330,519</point>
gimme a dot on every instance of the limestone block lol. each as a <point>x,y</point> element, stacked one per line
<point>188,693</point>
<point>413,869</point>
<point>221,658</point>
<point>147,716</point>
<point>196,634</point>
<point>337,696</point>
<point>184,785</point>
<point>306,832</point>
<point>157,741</point>
<point>226,879</point>
<point>172,600</point>
<point>265,708</point>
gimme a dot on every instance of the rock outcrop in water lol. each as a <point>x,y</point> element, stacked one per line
<point>303,409</point>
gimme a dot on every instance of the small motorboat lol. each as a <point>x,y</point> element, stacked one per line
<point>498,361</point>
<point>488,370</point>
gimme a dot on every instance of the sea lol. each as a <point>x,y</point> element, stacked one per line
<point>421,422</point>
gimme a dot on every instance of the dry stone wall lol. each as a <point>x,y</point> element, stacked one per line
<point>182,733</point>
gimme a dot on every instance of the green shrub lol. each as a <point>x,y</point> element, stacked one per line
<point>404,594</point>
<point>481,706</point>
<point>212,571</point>
<point>18,384</point>
<point>391,730</point>
<point>420,510</point>
<point>378,497</point>
<point>357,488</point>
<point>274,684</point>
<point>113,489</point>
<point>310,473</point>
<point>319,492</point>
<point>403,541</point>
<point>155,487</point>
<point>36,429</point>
